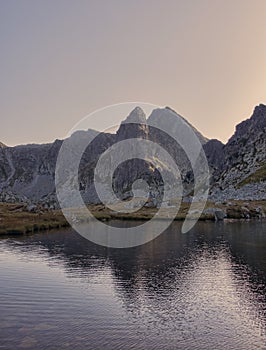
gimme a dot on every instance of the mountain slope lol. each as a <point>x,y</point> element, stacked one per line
<point>27,173</point>
<point>241,174</point>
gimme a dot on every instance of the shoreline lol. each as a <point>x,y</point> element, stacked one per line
<point>15,219</point>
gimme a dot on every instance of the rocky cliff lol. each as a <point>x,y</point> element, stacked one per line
<point>27,173</point>
<point>242,169</point>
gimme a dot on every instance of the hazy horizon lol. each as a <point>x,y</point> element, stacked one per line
<point>62,60</point>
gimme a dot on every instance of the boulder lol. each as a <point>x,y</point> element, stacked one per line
<point>217,213</point>
<point>32,208</point>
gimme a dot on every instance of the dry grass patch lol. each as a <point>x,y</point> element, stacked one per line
<point>15,219</point>
<point>258,176</point>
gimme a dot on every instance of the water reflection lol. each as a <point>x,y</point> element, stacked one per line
<point>202,290</point>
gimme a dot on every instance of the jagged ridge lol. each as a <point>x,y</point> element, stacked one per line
<point>27,172</point>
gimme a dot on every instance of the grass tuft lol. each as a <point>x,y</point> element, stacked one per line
<point>258,176</point>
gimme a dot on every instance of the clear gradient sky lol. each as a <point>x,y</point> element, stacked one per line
<point>62,59</point>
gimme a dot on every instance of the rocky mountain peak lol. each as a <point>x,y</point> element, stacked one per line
<point>259,116</point>
<point>137,115</point>
<point>255,124</point>
<point>244,158</point>
<point>161,116</point>
<point>238,168</point>
<point>135,125</point>
<point>260,109</point>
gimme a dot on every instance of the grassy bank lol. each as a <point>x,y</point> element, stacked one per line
<point>15,219</point>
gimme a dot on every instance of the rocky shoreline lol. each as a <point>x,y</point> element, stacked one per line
<point>19,219</point>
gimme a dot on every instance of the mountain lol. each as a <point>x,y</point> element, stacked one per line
<point>214,150</point>
<point>242,170</point>
<point>136,126</point>
<point>27,173</point>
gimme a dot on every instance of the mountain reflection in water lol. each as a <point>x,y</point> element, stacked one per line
<point>201,290</point>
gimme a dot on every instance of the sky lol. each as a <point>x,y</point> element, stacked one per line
<point>62,59</point>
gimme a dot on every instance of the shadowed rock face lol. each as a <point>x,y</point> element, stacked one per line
<point>28,172</point>
<point>214,150</point>
<point>135,126</point>
<point>244,154</point>
<point>250,127</point>
<point>247,145</point>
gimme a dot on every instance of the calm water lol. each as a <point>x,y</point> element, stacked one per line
<point>202,290</point>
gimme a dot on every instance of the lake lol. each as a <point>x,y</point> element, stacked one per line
<point>202,290</point>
